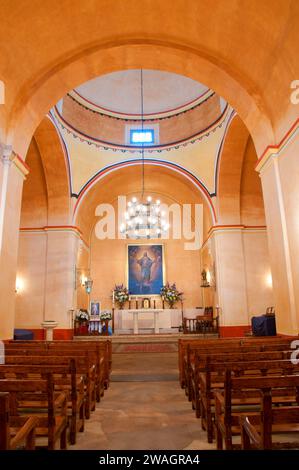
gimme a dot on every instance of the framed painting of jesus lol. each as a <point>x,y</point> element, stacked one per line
<point>145,269</point>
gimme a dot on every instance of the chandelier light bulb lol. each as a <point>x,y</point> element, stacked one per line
<point>134,200</point>
<point>129,204</point>
<point>163,213</point>
<point>149,198</point>
<point>158,201</point>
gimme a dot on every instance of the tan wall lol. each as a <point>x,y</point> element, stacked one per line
<point>258,272</point>
<point>82,267</point>
<point>30,300</point>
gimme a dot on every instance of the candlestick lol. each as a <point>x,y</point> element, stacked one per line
<point>113,298</point>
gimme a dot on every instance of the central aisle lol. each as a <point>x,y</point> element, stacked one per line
<point>144,408</point>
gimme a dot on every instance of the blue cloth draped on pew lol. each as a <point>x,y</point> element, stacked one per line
<point>23,334</point>
<point>263,325</point>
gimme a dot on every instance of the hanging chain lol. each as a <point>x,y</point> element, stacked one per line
<point>142,125</point>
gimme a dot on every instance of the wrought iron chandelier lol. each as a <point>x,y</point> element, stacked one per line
<point>143,217</point>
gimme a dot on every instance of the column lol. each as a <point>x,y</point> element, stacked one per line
<point>60,276</point>
<point>156,321</point>
<point>231,280</point>
<point>279,174</point>
<point>12,173</point>
<point>135,322</point>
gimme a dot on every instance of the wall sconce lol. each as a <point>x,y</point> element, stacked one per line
<point>204,278</point>
<point>83,280</point>
<point>19,285</point>
<point>269,281</point>
<point>88,285</point>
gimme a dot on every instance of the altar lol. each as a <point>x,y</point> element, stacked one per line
<point>141,320</point>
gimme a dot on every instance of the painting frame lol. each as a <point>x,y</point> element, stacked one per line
<point>95,308</point>
<point>162,275</point>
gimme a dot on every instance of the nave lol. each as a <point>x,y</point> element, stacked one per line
<point>144,409</point>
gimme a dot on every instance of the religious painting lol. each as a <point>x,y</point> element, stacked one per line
<point>145,271</point>
<point>95,308</point>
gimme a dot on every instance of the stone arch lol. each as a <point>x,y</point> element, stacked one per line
<point>44,92</point>
<point>47,143</point>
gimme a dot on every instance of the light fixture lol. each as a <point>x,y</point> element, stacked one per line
<point>19,285</point>
<point>88,285</point>
<point>143,218</point>
<point>204,279</point>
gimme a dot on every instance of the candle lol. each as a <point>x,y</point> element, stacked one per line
<point>113,298</point>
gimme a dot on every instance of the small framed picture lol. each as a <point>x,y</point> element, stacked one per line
<point>146,303</point>
<point>95,308</point>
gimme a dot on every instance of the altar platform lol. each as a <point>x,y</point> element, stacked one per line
<point>149,343</point>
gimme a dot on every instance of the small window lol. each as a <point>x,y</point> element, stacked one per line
<point>142,136</point>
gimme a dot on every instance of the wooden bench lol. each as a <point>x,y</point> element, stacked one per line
<point>212,379</point>
<point>101,349</point>
<point>187,351</point>
<point>15,431</point>
<point>65,379</point>
<point>52,421</point>
<point>84,367</point>
<point>183,345</point>
<point>242,397</point>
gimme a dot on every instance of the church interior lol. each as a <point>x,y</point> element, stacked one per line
<point>149,225</point>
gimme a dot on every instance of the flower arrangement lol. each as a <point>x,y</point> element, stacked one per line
<point>82,315</point>
<point>170,294</point>
<point>120,295</point>
<point>105,315</point>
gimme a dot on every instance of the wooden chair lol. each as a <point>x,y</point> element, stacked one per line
<point>15,431</point>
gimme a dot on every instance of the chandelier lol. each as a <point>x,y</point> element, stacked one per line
<point>143,217</point>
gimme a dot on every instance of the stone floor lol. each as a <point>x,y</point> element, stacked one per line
<point>144,408</point>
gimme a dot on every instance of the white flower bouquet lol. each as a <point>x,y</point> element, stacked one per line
<point>82,315</point>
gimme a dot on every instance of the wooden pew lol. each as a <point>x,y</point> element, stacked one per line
<point>101,349</point>
<point>241,394</point>
<point>53,422</point>
<point>189,360</point>
<point>15,431</point>
<point>227,342</point>
<point>188,350</point>
<point>65,379</point>
<point>212,379</point>
<point>84,367</point>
